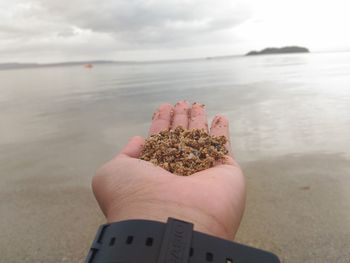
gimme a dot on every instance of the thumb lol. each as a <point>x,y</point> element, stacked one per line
<point>134,147</point>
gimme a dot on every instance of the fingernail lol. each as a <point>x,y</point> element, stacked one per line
<point>155,115</point>
<point>196,104</point>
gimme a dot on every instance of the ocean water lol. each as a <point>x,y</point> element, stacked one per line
<point>58,124</point>
<point>276,104</point>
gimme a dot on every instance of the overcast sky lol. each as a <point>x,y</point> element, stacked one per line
<point>67,30</point>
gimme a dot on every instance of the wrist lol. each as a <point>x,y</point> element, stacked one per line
<point>202,221</point>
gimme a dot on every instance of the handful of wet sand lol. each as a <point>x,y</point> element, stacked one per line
<point>184,152</point>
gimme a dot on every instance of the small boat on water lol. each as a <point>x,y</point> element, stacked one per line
<point>88,65</point>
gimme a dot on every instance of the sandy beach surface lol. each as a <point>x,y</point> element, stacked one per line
<point>297,207</point>
<point>290,133</point>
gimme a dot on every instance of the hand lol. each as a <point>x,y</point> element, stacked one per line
<point>129,188</point>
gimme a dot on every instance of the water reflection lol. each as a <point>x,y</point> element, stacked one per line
<point>276,103</point>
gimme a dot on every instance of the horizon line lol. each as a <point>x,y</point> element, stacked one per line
<point>101,61</point>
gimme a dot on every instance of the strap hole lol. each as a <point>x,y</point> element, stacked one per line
<point>149,241</point>
<point>228,260</point>
<point>129,240</point>
<point>191,252</point>
<point>209,257</point>
<point>112,241</point>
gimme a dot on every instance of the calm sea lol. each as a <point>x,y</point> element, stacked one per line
<point>63,122</point>
<point>276,104</point>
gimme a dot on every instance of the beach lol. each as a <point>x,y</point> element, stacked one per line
<point>290,121</point>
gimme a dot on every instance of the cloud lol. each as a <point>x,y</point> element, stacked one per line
<point>122,24</point>
<point>140,22</point>
<point>56,30</point>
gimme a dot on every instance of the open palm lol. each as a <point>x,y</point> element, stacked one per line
<point>213,199</point>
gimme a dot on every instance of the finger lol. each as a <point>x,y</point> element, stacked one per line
<point>220,127</point>
<point>181,112</point>
<point>134,147</point>
<point>161,118</point>
<point>228,160</point>
<point>198,117</point>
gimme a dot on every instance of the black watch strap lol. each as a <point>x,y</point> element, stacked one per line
<point>144,241</point>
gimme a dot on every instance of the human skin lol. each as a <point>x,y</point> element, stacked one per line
<point>213,199</point>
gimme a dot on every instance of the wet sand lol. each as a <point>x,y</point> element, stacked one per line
<point>297,206</point>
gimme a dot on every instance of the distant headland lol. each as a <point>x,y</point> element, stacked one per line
<point>282,50</point>
<point>90,64</point>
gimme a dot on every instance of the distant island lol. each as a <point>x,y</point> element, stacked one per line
<point>282,50</point>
